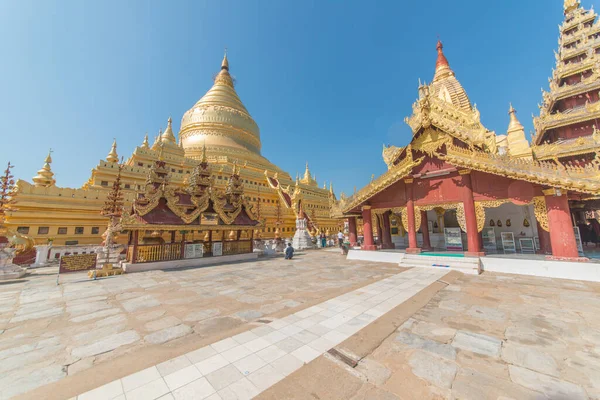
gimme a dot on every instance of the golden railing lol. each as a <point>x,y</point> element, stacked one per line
<point>156,252</point>
<point>237,247</point>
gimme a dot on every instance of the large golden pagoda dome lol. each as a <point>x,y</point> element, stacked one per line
<point>220,121</point>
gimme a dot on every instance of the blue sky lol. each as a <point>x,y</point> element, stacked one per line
<point>328,82</point>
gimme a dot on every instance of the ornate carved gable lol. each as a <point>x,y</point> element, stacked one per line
<point>160,204</point>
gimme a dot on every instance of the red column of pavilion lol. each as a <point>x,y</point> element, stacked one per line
<point>379,231</point>
<point>562,235</point>
<point>386,240</point>
<point>473,242</point>
<point>425,231</point>
<point>352,234</point>
<point>367,229</point>
<point>545,246</point>
<point>410,214</point>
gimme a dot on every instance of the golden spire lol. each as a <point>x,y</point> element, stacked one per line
<point>223,76</point>
<point>307,173</point>
<point>168,136</point>
<point>112,156</point>
<point>331,187</point>
<point>514,122</point>
<point>517,143</point>
<point>160,153</point>
<point>225,62</point>
<point>145,143</point>
<point>442,66</point>
<point>570,5</point>
<point>45,176</point>
<point>203,159</point>
<point>325,185</point>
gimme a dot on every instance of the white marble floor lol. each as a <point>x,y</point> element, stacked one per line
<point>242,366</point>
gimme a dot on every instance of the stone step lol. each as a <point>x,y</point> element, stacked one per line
<point>429,261</point>
<point>467,265</point>
<point>445,258</point>
<point>474,270</point>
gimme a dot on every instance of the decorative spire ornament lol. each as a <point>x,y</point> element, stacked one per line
<point>168,136</point>
<point>113,206</point>
<point>7,191</point>
<point>112,156</point>
<point>225,62</point>
<point>145,143</point>
<point>45,176</point>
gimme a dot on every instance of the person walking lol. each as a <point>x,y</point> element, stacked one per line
<point>340,238</point>
<point>289,252</point>
<point>323,240</point>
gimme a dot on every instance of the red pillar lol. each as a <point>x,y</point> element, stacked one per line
<point>352,235</point>
<point>182,250</point>
<point>545,246</point>
<point>386,239</point>
<point>410,214</point>
<point>562,235</point>
<point>425,231</point>
<point>473,241</point>
<point>379,231</point>
<point>135,240</point>
<point>367,229</point>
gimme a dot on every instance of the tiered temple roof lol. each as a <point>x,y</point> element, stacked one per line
<point>446,127</point>
<point>195,206</point>
<point>566,129</point>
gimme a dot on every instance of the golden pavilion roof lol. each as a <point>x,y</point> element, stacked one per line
<point>220,120</point>
<point>443,114</point>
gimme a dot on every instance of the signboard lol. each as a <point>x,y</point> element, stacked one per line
<point>489,240</point>
<point>508,242</point>
<point>194,250</point>
<point>209,219</point>
<point>453,239</point>
<point>77,263</point>
<point>217,249</point>
<point>578,241</point>
<point>527,245</point>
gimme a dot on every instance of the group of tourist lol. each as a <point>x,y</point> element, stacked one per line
<point>289,250</point>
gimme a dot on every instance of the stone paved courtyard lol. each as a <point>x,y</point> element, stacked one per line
<point>49,332</point>
<point>492,336</point>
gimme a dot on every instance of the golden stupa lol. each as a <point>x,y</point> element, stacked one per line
<point>220,123</point>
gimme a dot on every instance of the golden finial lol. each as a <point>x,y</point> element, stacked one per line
<point>145,143</point>
<point>48,159</point>
<point>112,155</point>
<point>160,153</point>
<point>203,159</point>
<point>514,122</point>
<point>225,63</point>
<point>330,187</point>
<point>325,185</point>
<point>570,5</point>
<point>168,135</point>
<point>45,176</point>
